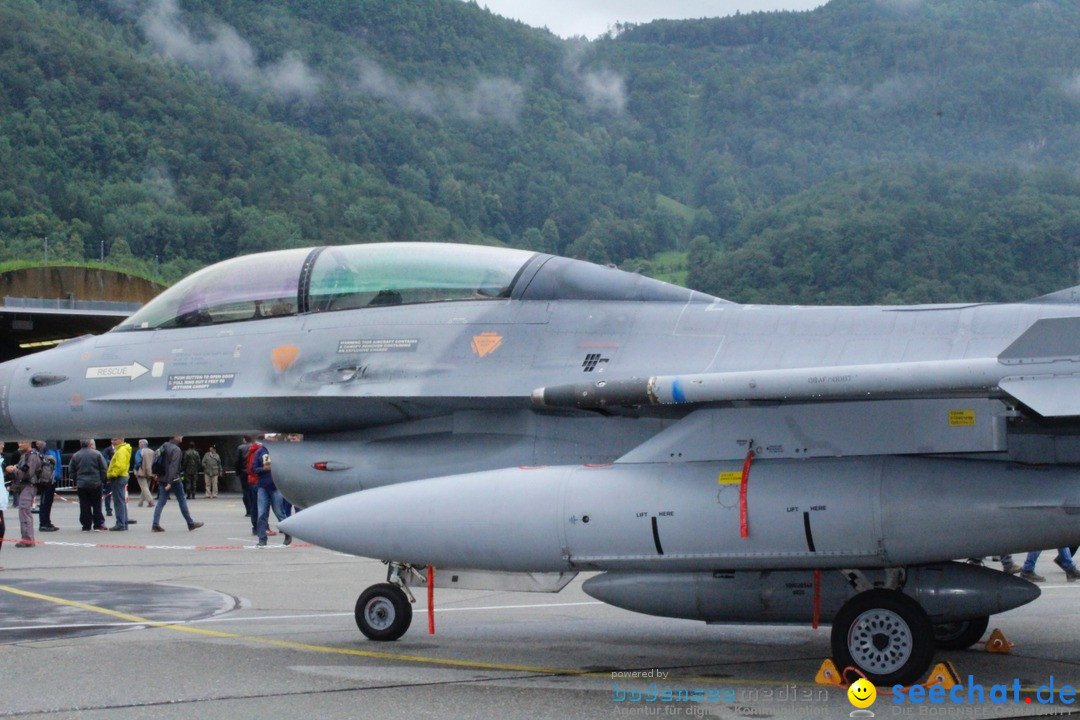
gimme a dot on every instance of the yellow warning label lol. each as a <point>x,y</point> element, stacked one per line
<point>730,478</point>
<point>485,343</point>
<point>961,418</point>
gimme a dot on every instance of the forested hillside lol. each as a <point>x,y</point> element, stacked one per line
<point>884,150</point>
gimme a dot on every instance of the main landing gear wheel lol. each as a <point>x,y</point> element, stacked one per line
<point>886,635</point>
<point>383,612</point>
<point>961,634</point>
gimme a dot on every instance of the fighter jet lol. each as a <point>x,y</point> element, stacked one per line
<point>528,417</point>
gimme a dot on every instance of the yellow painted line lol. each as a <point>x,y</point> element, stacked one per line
<point>470,664</point>
<point>299,646</point>
<point>112,613</point>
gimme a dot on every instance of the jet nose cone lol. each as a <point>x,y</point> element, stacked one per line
<point>1019,592</point>
<point>495,520</point>
<point>333,524</point>
<point>304,525</point>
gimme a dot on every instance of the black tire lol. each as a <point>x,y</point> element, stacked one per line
<point>383,612</point>
<point>960,635</point>
<point>886,635</point>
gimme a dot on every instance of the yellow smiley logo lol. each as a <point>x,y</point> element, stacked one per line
<point>862,693</point>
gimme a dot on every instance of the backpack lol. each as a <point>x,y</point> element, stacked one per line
<point>47,472</point>
<point>160,463</point>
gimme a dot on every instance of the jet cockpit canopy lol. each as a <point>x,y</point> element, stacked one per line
<point>349,277</point>
<point>287,282</point>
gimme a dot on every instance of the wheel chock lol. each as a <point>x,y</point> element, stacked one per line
<point>997,643</point>
<point>827,674</point>
<point>943,674</point>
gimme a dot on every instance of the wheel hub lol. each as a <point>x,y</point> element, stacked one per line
<point>880,641</point>
<point>379,613</point>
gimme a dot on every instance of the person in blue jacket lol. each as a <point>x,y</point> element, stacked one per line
<point>267,495</point>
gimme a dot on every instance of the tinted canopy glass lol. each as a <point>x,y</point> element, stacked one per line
<point>357,276</point>
<point>287,282</point>
<point>244,288</point>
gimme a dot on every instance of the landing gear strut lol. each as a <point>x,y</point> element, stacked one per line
<point>384,611</point>
<point>886,635</point>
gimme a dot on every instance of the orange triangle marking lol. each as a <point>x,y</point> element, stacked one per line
<point>284,357</point>
<point>485,343</point>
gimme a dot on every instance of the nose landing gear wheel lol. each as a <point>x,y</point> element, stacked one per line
<point>383,612</point>
<point>962,634</point>
<point>886,635</point>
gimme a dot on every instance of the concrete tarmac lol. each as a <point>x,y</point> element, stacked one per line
<point>204,625</point>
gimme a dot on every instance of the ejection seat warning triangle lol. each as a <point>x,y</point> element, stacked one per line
<point>486,343</point>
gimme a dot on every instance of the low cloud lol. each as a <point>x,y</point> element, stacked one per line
<point>898,90</point>
<point>830,95</point>
<point>889,93</point>
<point>1071,87</point>
<point>604,90</point>
<point>158,184</point>
<point>498,99</point>
<point>904,5</point>
<point>224,54</point>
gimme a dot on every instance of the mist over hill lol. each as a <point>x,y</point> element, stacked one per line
<point>866,151</point>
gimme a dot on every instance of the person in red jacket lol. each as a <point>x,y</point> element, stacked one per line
<point>267,495</point>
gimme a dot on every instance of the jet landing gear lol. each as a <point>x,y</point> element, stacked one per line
<point>384,611</point>
<point>962,634</point>
<point>886,635</point>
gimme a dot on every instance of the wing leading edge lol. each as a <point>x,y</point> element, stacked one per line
<point>1040,369</point>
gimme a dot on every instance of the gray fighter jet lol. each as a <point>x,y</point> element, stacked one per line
<point>528,417</point>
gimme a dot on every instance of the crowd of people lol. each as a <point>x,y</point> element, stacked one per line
<point>102,478</point>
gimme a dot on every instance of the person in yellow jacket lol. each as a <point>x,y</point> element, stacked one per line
<point>119,468</point>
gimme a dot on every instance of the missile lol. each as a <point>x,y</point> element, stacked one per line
<point>846,382</point>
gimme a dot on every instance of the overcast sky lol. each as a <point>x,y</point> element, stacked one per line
<point>591,18</point>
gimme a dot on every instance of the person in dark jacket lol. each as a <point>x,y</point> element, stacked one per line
<point>171,483</point>
<point>87,468</point>
<point>191,463</point>
<point>48,492</point>
<point>22,475</point>
<point>106,489</point>
<point>267,494</point>
<point>248,490</point>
